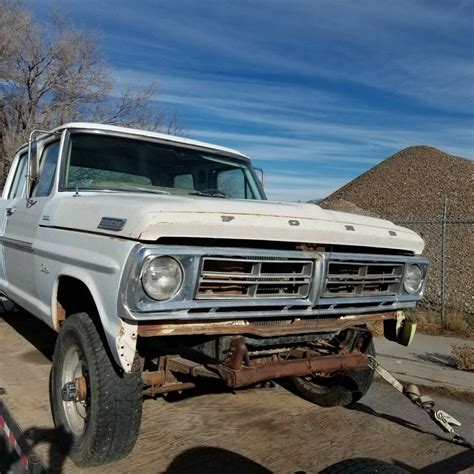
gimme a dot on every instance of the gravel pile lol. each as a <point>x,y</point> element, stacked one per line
<point>412,184</point>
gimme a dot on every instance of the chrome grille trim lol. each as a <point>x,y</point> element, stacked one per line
<point>134,304</point>
<point>357,278</point>
<point>332,311</point>
<point>230,278</point>
<point>349,278</point>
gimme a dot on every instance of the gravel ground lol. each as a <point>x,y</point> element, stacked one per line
<point>412,184</point>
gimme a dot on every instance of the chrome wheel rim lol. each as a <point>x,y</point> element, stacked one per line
<point>76,411</point>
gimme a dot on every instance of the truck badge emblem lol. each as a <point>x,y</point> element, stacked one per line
<point>111,223</point>
<point>294,222</point>
<point>227,218</point>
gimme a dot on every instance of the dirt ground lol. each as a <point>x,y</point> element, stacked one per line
<point>251,431</point>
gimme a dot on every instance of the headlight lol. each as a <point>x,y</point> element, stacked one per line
<point>413,279</point>
<point>162,278</point>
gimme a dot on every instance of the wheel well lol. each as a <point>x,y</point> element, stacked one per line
<point>73,296</point>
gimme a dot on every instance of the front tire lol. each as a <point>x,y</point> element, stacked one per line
<point>96,407</point>
<point>336,390</point>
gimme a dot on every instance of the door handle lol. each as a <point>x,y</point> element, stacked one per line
<point>10,211</point>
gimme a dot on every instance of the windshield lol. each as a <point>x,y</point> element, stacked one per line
<point>104,162</point>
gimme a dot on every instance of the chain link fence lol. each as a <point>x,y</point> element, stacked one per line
<point>450,249</point>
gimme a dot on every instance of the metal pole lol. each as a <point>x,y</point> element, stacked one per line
<point>443,260</point>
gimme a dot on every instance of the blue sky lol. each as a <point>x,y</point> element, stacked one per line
<point>314,91</point>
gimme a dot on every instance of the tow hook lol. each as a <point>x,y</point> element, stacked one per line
<point>412,392</point>
<point>75,391</point>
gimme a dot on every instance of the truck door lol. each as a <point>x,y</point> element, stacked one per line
<point>22,218</point>
<point>13,192</point>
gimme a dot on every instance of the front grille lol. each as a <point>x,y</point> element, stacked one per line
<point>346,279</point>
<point>253,278</point>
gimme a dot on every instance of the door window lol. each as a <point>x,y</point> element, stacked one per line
<point>19,180</point>
<point>49,161</point>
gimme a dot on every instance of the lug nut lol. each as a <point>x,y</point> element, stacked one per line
<point>69,392</point>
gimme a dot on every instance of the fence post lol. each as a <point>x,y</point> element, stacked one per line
<point>443,260</point>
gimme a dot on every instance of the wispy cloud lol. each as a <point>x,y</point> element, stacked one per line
<point>419,49</point>
<point>301,123</point>
<point>407,48</point>
<point>316,93</point>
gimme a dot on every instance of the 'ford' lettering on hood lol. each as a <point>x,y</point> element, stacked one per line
<point>148,218</point>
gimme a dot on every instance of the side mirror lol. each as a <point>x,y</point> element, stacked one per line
<point>33,159</point>
<point>260,175</point>
<point>32,173</point>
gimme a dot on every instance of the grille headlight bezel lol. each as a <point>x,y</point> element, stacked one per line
<point>413,279</point>
<point>162,277</point>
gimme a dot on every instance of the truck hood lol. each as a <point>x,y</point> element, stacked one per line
<point>149,217</point>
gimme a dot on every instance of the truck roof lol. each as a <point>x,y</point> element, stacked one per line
<point>144,133</point>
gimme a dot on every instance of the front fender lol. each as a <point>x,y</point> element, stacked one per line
<point>121,336</point>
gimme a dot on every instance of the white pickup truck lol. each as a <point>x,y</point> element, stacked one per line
<point>160,263</point>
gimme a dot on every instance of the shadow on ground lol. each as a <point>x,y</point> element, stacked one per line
<point>394,419</point>
<point>57,454</point>
<point>41,336</point>
<point>213,460</point>
<point>17,447</point>
<point>59,442</point>
<point>443,360</point>
<point>461,462</point>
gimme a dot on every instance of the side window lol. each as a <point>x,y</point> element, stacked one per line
<point>232,183</point>
<point>19,180</point>
<point>49,161</point>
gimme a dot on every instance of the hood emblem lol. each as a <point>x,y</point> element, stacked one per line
<point>349,227</point>
<point>293,222</point>
<point>112,223</point>
<point>227,218</point>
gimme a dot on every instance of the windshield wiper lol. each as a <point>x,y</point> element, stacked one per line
<point>126,187</point>
<point>214,194</point>
<point>145,190</point>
